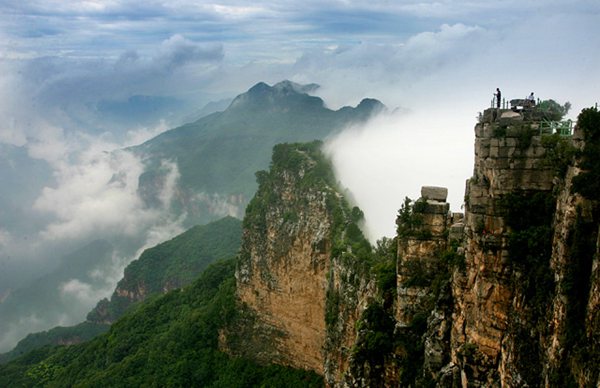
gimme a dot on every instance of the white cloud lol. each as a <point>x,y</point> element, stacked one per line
<point>140,135</point>
<point>442,65</point>
<point>98,195</point>
<point>178,51</point>
<point>220,205</point>
<point>49,145</point>
<point>82,292</point>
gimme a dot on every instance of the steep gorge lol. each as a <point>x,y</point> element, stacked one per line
<point>506,296</point>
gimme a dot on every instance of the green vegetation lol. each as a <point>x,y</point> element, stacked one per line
<point>587,183</point>
<point>172,264</point>
<point>551,110</point>
<point>530,218</point>
<point>410,220</point>
<point>219,153</point>
<point>524,136</point>
<point>499,131</point>
<point>43,299</point>
<point>376,335</point>
<point>58,335</point>
<point>560,153</point>
<point>169,341</point>
<point>581,348</point>
<point>386,254</point>
<point>303,161</point>
<point>380,344</point>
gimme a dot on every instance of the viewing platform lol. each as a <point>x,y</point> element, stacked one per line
<point>545,117</point>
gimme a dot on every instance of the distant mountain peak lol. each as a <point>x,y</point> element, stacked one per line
<point>287,85</point>
<point>279,93</point>
<point>260,87</point>
<point>372,105</point>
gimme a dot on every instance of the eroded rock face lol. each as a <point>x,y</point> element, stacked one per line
<point>283,274</point>
<point>525,310</point>
<point>419,254</point>
<point>304,297</point>
<point>508,159</point>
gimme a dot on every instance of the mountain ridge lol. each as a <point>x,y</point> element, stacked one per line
<point>236,143</point>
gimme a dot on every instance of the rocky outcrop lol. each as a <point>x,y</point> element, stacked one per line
<point>523,309</point>
<point>423,239</point>
<point>509,158</point>
<point>296,275</point>
<point>282,274</point>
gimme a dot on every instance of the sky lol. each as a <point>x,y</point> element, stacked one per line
<point>80,79</point>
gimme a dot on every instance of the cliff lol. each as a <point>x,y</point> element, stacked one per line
<point>524,309</point>
<point>506,295</point>
<point>298,264</point>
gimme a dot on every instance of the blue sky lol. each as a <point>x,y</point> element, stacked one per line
<point>71,72</point>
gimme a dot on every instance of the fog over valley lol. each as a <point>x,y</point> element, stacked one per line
<point>113,115</point>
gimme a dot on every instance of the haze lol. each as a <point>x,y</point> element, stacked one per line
<point>79,80</point>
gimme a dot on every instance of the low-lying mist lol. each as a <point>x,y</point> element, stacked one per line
<point>393,155</point>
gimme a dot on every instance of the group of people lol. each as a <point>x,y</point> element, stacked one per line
<point>498,96</point>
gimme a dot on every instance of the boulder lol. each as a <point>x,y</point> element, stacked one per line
<point>434,193</point>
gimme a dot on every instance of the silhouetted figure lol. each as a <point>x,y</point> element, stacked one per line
<point>498,97</point>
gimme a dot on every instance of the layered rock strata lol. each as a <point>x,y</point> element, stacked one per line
<point>296,273</point>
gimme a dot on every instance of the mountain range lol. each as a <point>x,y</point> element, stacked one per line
<point>218,155</point>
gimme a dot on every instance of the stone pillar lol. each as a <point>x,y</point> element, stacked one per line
<point>419,249</point>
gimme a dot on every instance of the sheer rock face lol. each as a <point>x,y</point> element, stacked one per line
<point>420,253</point>
<point>305,301</point>
<point>283,275</point>
<point>509,342</point>
<point>485,295</point>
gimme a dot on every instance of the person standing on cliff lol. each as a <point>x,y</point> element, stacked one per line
<point>498,97</point>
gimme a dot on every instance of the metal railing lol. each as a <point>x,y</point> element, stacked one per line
<point>563,128</point>
<point>506,105</point>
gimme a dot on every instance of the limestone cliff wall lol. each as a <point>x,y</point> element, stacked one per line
<point>509,158</point>
<point>519,306</point>
<point>531,255</point>
<point>297,275</point>
<point>282,276</point>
